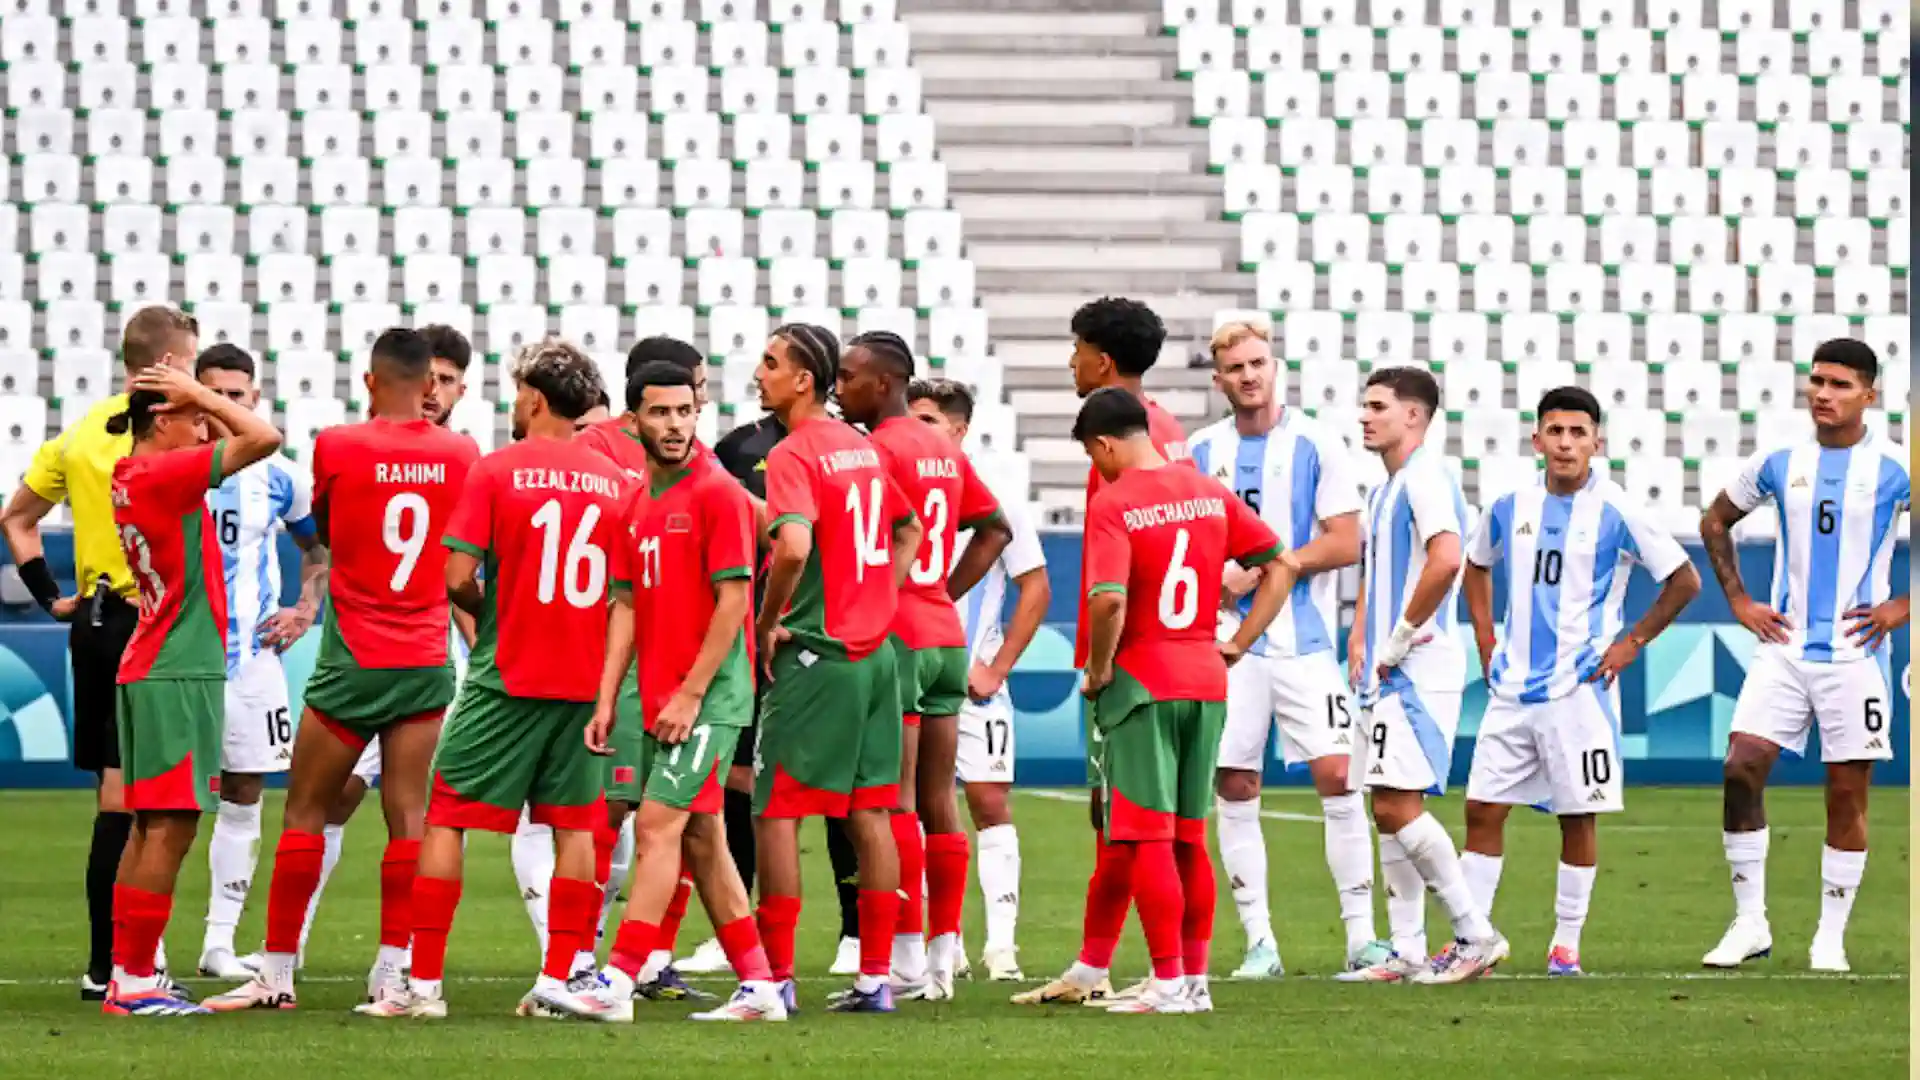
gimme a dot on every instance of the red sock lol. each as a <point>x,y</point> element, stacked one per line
<point>946,882</point>
<point>605,839</point>
<point>676,911</point>
<point>632,945</point>
<point>740,940</point>
<point>777,916</point>
<point>573,906</point>
<point>144,922</point>
<point>121,903</point>
<point>397,869</point>
<point>434,901</point>
<point>913,868</point>
<point>1108,893</point>
<point>1156,891</point>
<point>880,911</point>
<point>296,874</point>
<point>1200,893</point>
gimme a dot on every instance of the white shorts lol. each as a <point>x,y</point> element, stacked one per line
<point>1784,696</point>
<point>1408,743</point>
<point>1562,756</point>
<point>985,754</point>
<point>259,728</point>
<point>1304,696</point>
<point>368,767</point>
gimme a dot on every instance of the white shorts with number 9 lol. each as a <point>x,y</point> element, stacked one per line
<point>985,752</point>
<point>259,730</point>
<point>1562,756</point>
<point>1784,696</point>
<point>1306,697</point>
<point>1406,741</point>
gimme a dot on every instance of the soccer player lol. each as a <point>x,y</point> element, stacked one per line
<point>541,516</point>
<point>983,762</point>
<point>1551,734</point>
<point>1295,474</point>
<point>250,509</point>
<point>1824,641</point>
<point>1410,671</point>
<point>381,491</point>
<point>930,650</point>
<point>173,673</point>
<point>1156,682</point>
<point>844,537</point>
<point>686,561</point>
<point>447,385</point>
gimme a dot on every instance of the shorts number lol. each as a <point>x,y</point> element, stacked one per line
<point>1251,496</point>
<point>153,590</point>
<point>583,555</point>
<point>1875,719</point>
<point>1379,740</point>
<point>1596,767</point>
<point>1337,716</point>
<point>698,735</point>
<point>403,528</point>
<point>1825,518</point>
<point>1546,567</point>
<point>1180,588</point>
<point>649,561</point>
<point>279,727</point>
<point>932,563</point>
<point>229,528</point>
<point>867,548</point>
<point>1006,736</point>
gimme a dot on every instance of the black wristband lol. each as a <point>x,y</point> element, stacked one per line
<point>38,579</point>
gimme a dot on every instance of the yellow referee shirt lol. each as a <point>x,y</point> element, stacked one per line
<point>77,466</point>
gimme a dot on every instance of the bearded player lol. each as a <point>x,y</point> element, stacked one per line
<point>929,650</point>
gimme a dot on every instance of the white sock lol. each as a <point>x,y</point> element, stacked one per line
<point>1571,895</point>
<point>657,961</point>
<point>1430,850</point>
<point>1350,861</point>
<point>617,871</point>
<point>998,863</point>
<point>532,852</point>
<point>231,855</point>
<point>160,955</point>
<point>1483,877</point>
<point>1747,860</point>
<point>333,836</point>
<point>1406,900</point>
<point>1840,874</point>
<point>1243,854</point>
<point>910,956</point>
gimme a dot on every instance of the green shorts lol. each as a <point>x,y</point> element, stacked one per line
<point>933,682</point>
<point>623,767</point>
<point>1157,770</point>
<point>830,735</point>
<point>688,776</point>
<point>499,754</point>
<point>359,703</point>
<point>170,737</point>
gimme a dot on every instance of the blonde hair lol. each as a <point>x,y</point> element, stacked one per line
<point>563,373</point>
<point>1230,334</point>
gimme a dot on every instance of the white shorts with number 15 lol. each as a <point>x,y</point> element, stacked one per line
<point>1304,696</point>
<point>259,734</point>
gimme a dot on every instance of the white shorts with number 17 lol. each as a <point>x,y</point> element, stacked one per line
<point>1785,696</point>
<point>259,730</point>
<point>1561,756</point>
<point>985,751</point>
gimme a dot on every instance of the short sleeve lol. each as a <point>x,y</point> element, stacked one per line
<point>47,474</point>
<point>470,529</point>
<point>898,508</point>
<point>620,546</point>
<point>1109,558</point>
<point>1755,483</point>
<point>1430,496</point>
<point>1250,541</point>
<point>1023,553</point>
<point>1489,541</point>
<point>321,478</point>
<point>790,490</point>
<point>178,480</point>
<point>977,504</point>
<point>1649,542</point>
<point>1338,490</point>
<point>293,496</point>
<point>726,531</point>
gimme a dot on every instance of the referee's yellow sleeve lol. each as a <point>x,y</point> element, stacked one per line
<point>47,475</point>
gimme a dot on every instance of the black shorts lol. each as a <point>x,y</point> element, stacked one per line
<point>749,737</point>
<point>95,652</point>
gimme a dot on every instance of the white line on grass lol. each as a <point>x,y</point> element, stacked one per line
<point>1594,976</point>
<point>1081,797</point>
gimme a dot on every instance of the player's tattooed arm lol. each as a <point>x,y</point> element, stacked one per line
<point>1716,535</point>
<point>250,438</point>
<point>288,625</point>
<point>1676,593</point>
<point>1476,584</point>
<point>463,582</point>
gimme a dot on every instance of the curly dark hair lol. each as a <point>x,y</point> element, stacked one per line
<point>567,377</point>
<point>1126,330</point>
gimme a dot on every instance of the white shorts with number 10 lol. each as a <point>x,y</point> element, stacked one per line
<point>985,751</point>
<point>1304,696</point>
<point>1562,756</point>
<point>259,730</point>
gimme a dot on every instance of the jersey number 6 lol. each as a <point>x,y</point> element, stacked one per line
<point>1180,589</point>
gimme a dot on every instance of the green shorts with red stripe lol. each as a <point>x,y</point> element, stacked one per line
<point>933,682</point>
<point>830,735</point>
<point>688,775</point>
<point>1156,762</point>
<point>623,767</point>
<point>357,703</point>
<point>170,737</point>
<point>499,754</point>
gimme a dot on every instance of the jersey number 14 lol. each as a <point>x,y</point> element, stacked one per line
<point>867,548</point>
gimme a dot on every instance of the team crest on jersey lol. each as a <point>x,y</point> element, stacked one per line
<point>679,523</point>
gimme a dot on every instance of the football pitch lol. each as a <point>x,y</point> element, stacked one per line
<point>1645,1011</point>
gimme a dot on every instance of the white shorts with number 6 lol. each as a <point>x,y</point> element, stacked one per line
<point>1306,697</point>
<point>259,733</point>
<point>1407,740</point>
<point>1784,696</point>
<point>985,753</point>
<point>1562,756</point>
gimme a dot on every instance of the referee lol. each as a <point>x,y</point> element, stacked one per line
<point>76,467</point>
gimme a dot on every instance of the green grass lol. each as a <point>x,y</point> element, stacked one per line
<point>1661,901</point>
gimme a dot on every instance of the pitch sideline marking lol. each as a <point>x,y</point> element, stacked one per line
<point>1598,976</point>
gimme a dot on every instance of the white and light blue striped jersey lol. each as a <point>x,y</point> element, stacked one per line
<point>981,608</point>
<point>1295,477</point>
<point>249,509</point>
<point>1416,504</point>
<point>1839,511</point>
<point>1568,559</point>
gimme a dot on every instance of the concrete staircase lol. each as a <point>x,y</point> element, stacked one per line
<point>1070,152</point>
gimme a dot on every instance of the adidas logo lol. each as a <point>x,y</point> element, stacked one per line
<point>240,886</point>
<point>1007,898</point>
<point>1376,770</point>
<point>1365,888</point>
<point>1342,740</point>
<point>1739,879</point>
<point>530,894</point>
<point>1875,743</point>
<point>1597,796</point>
<point>1798,482</point>
<point>1836,892</point>
<point>1236,883</point>
<point>1525,529</point>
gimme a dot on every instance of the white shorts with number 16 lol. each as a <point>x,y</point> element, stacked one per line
<point>259,733</point>
<point>1562,756</point>
<point>1304,696</point>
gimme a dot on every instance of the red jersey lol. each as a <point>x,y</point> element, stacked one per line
<point>160,506</point>
<point>684,536</point>
<point>1172,441</point>
<point>614,439</point>
<point>827,476</point>
<point>382,491</point>
<point>941,486</point>
<point>1161,536</point>
<point>541,515</point>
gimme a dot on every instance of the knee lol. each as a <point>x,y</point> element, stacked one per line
<point>988,804</point>
<point>1743,774</point>
<point>241,789</point>
<point>1482,815</point>
<point>1237,785</point>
